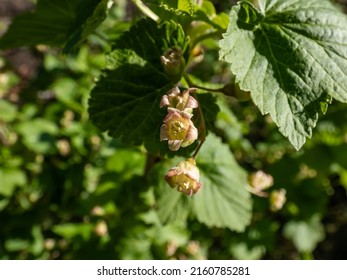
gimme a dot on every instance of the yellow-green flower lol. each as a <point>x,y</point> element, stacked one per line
<point>185,177</point>
<point>178,129</point>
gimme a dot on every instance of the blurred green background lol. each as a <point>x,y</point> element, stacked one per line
<point>69,192</point>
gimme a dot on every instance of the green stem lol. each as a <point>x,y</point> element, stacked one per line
<point>198,148</point>
<point>206,36</point>
<point>202,124</point>
<point>101,36</point>
<point>192,84</point>
<point>202,129</point>
<point>145,10</point>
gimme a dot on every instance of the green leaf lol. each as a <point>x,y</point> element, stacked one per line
<point>206,12</point>
<point>291,55</point>
<point>178,10</point>
<point>90,14</point>
<point>11,178</point>
<point>39,135</point>
<point>72,230</point>
<point>8,111</point>
<point>223,200</point>
<point>16,244</point>
<point>305,235</point>
<point>186,11</point>
<point>126,100</point>
<point>55,22</point>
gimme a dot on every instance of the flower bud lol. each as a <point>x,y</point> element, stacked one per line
<point>178,129</point>
<point>277,199</point>
<point>174,63</point>
<point>185,177</point>
<point>182,101</point>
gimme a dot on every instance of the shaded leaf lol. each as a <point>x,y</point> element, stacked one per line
<point>55,22</point>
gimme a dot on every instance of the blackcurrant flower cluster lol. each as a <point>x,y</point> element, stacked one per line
<point>178,128</point>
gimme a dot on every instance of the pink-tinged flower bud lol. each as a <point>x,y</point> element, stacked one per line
<point>182,101</point>
<point>185,177</point>
<point>174,63</point>
<point>178,129</point>
<point>260,181</point>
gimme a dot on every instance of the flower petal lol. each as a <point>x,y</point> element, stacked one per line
<point>192,103</point>
<point>186,115</point>
<point>164,101</point>
<point>185,177</point>
<point>192,135</point>
<point>164,132</point>
<point>174,145</point>
<point>172,113</point>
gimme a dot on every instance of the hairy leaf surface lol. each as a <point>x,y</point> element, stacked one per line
<point>291,55</point>
<point>223,200</point>
<point>126,100</point>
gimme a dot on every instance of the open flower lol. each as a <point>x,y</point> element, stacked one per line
<point>259,182</point>
<point>182,101</point>
<point>178,129</point>
<point>185,177</point>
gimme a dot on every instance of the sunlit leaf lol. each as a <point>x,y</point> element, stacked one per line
<point>291,55</point>
<point>223,200</point>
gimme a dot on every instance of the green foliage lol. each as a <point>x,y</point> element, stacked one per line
<point>224,200</point>
<point>126,100</point>
<point>56,22</point>
<point>305,235</point>
<point>290,55</point>
<point>82,166</point>
<point>186,11</point>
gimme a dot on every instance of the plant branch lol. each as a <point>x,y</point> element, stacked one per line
<point>145,10</point>
<point>192,84</point>
<point>202,128</point>
<point>206,36</point>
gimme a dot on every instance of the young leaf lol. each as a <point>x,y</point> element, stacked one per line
<point>291,55</point>
<point>180,11</point>
<point>223,201</point>
<point>55,22</point>
<point>206,12</point>
<point>186,11</point>
<point>126,100</point>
